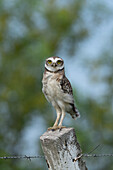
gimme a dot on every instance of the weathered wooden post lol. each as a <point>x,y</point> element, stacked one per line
<point>61,148</point>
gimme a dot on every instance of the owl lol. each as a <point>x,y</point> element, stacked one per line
<point>58,91</point>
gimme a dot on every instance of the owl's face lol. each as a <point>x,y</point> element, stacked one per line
<point>54,64</point>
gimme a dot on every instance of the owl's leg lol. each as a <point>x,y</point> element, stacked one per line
<point>57,119</point>
<point>61,120</point>
<point>55,126</point>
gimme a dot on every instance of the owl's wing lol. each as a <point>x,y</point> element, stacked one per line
<point>68,98</point>
<point>66,85</point>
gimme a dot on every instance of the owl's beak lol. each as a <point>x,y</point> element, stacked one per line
<point>54,64</point>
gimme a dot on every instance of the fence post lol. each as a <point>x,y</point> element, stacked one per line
<point>60,149</point>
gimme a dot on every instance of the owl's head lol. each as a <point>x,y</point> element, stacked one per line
<point>54,64</point>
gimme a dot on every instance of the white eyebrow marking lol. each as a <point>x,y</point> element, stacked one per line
<point>54,59</point>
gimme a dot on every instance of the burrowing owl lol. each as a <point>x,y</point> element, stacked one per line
<point>57,90</point>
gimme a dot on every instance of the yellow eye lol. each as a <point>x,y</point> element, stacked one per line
<point>49,62</point>
<point>59,62</point>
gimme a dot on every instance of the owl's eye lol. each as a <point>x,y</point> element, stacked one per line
<point>59,62</point>
<point>49,62</point>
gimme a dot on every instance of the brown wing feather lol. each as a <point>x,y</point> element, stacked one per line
<point>66,86</point>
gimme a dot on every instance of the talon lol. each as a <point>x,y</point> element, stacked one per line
<point>53,128</point>
<point>61,127</point>
<point>56,127</point>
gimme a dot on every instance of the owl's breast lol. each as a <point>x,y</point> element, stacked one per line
<point>51,89</point>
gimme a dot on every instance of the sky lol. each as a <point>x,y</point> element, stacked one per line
<point>99,39</point>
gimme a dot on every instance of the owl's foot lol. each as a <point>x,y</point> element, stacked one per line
<point>56,127</point>
<point>53,128</point>
<point>61,127</point>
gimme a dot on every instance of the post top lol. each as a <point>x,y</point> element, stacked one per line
<point>57,133</point>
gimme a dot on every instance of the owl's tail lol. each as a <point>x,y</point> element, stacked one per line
<point>75,114</point>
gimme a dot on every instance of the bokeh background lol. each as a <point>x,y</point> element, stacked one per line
<point>79,31</point>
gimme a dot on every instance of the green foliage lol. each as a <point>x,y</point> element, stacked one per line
<point>30,31</point>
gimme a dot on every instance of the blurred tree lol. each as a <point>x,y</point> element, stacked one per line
<point>30,31</point>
